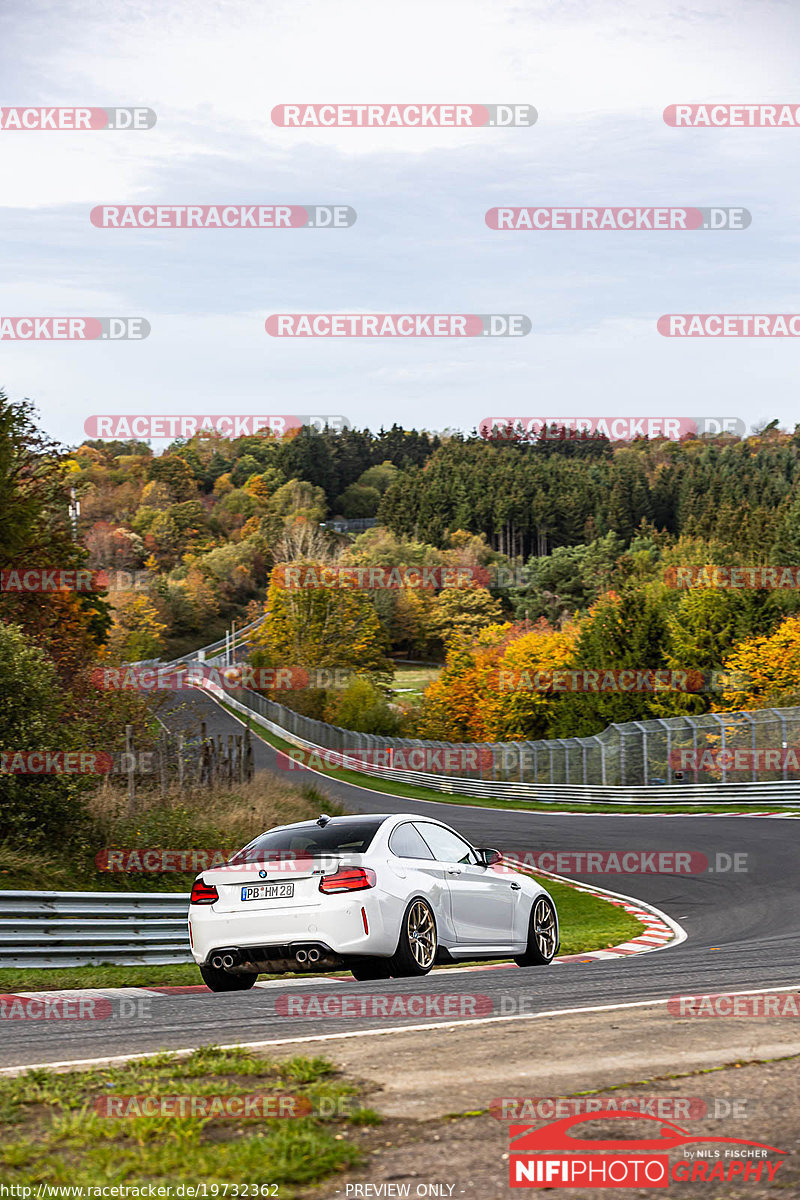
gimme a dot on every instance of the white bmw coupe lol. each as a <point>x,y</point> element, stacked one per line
<point>381,896</point>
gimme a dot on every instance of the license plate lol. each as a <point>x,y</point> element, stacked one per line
<point>268,891</point>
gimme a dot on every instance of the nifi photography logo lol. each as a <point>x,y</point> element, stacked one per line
<point>635,1162</point>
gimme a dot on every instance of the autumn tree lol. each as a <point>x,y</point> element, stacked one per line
<point>458,614</point>
<point>322,626</point>
<point>137,633</point>
<point>765,670</point>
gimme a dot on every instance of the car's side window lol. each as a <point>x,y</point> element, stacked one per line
<point>405,842</point>
<point>446,845</point>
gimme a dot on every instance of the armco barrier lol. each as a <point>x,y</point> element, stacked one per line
<point>252,705</point>
<point>75,929</point>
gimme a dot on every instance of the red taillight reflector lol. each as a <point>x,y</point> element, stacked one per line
<point>364,919</point>
<point>348,879</point>
<point>204,893</point>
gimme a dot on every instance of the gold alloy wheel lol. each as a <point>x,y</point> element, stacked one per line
<point>544,927</point>
<point>421,934</point>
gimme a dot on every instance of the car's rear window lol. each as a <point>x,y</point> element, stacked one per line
<point>337,837</point>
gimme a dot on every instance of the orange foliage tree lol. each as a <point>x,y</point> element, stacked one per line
<point>485,692</point>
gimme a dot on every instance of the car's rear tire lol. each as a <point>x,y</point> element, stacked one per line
<point>371,968</point>
<point>224,981</point>
<point>542,935</point>
<point>416,949</point>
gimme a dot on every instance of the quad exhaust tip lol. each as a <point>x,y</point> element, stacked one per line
<point>302,955</point>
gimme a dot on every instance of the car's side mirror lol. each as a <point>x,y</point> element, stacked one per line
<point>487,857</point>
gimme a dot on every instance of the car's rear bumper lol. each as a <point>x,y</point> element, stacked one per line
<point>346,925</point>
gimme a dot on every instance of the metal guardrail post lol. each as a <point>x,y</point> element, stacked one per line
<point>721,742</point>
<point>645,765</point>
<point>602,745</point>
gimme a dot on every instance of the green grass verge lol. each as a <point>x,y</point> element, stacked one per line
<point>390,787</point>
<point>411,679</point>
<point>51,1132</point>
<point>587,923</point>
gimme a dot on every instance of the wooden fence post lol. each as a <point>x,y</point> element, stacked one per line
<point>181,770</point>
<point>131,765</point>
<point>163,764</point>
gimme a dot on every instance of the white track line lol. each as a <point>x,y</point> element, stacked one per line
<point>71,1064</point>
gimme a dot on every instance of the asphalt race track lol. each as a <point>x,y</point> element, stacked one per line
<point>743,929</point>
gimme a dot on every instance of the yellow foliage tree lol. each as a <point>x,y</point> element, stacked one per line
<point>765,670</point>
<point>137,632</point>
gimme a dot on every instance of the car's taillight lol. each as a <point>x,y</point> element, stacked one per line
<point>204,893</point>
<point>348,879</point>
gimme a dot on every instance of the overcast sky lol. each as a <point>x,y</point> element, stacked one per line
<point>599,73</point>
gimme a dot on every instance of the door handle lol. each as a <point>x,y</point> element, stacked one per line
<point>455,871</point>
<point>516,887</point>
